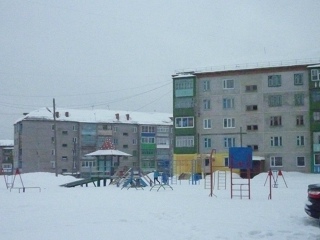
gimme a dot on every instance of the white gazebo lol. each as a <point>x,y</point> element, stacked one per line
<point>108,161</point>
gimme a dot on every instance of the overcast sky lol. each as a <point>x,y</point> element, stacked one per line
<point>120,55</point>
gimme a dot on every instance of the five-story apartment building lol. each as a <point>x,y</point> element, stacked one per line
<point>41,142</point>
<point>272,109</point>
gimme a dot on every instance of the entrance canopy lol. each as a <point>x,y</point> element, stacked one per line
<point>257,158</point>
<point>108,152</point>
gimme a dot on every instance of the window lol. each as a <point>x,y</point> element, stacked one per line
<point>317,159</point>
<point>252,107</point>
<point>64,145</point>
<point>184,84</point>
<point>207,142</point>
<point>299,99</point>
<point>274,81</point>
<point>162,129</point>
<point>254,147</point>
<point>206,123</point>
<point>7,167</point>
<point>75,128</point>
<point>184,122</point>
<point>229,142</point>
<point>275,100</point>
<point>53,164</point>
<point>315,75</point>
<point>115,141</point>
<point>206,85</point>
<point>75,140</point>
<point>163,141</point>
<point>228,84</point>
<point>316,116</point>
<point>125,146</point>
<point>228,103</point>
<point>301,162</point>
<point>147,140</point>
<point>299,120</point>
<point>183,103</point>
<point>251,88</point>
<point>300,140</point>
<point>53,152</point>
<point>52,139</point>
<point>183,87</point>
<point>134,129</point>
<point>52,127</point>
<point>206,104</point>
<point>185,141</point>
<point>134,153</point>
<point>276,161</point>
<point>88,164</point>
<point>229,123</point>
<point>125,134</point>
<point>104,127</point>
<point>207,162</point>
<point>315,96</point>
<point>252,127</point>
<point>134,141</point>
<point>298,79</point>
<point>275,121</point>
<point>115,129</point>
<point>148,129</point>
<point>276,141</point>
<point>64,132</point>
<point>226,162</point>
<point>64,158</point>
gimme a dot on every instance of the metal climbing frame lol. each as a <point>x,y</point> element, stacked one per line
<point>222,179</point>
<point>240,187</point>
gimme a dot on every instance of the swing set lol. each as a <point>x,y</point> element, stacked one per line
<point>10,181</point>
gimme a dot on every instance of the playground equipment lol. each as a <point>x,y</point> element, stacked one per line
<point>240,158</point>
<point>271,177</point>
<point>8,176</point>
<point>274,174</point>
<point>194,179</point>
<point>213,151</point>
<point>10,181</point>
<point>133,178</point>
<point>186,170</point>
<point>164,183</point>
<point>222,179</point>
<point>80,183</point>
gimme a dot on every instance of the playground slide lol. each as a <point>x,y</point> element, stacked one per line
<point>78,183</point>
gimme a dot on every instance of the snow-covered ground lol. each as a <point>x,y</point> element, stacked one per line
<point>186,212</point>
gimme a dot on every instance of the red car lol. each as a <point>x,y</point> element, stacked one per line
<point>312,206</point>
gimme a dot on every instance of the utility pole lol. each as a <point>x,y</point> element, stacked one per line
<point>241,136</point>
<point>55,137</point>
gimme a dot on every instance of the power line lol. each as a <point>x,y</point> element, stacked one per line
<point>119,99</point>
<point>153,101</point>
<point>28,106</point>
<point>81,94</point>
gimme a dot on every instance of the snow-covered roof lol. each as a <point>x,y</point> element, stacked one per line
<point>248,66</point>
<point>314,66</point>
<point>183,75</point>
<point>6,143</point>
<point>108,152</point>
<point>100,116</point>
